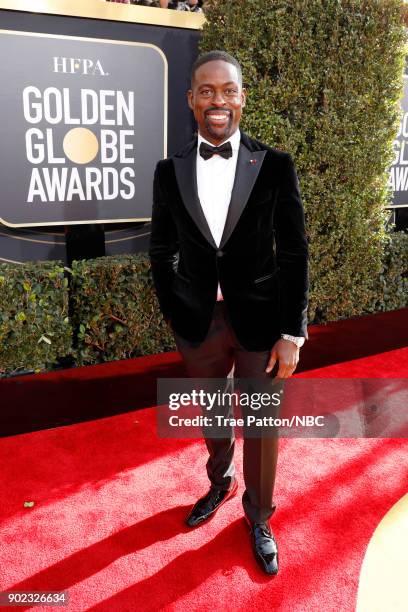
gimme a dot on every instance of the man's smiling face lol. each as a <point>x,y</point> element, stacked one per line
<point>217,99</point>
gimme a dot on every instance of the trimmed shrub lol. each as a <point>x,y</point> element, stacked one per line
<point>324,79</point>
<point>115,311</point>
<point>392,283</point>
<point>34,327</point>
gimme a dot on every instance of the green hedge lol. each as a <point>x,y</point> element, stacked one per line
<point>34,327</point>
<point>115,310</point>
<point>391,289</point>
<point>324,80</point>
<point>115,313</point>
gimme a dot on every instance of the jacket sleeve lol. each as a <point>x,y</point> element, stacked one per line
<point>291,252</point>
<point>164,245</point>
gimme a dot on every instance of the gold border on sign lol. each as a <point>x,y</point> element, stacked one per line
<point>11,260</point>
<point>110,11</point>
<point>127,238</point>
<point>165,109</point>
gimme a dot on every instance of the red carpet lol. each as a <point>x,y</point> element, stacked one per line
<point>110,499</point>
<point>393,364</point>
<point>109,505</point>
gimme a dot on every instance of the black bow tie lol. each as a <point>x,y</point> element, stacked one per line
<point>207,151</point>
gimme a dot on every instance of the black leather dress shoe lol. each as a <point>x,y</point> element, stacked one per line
<point>207,506</point>
<point>264,546</point>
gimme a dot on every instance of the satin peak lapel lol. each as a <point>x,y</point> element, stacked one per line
<point>186,175</point>
<point>248,166</point>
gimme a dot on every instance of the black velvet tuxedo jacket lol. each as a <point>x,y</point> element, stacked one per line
<point>261,262</point>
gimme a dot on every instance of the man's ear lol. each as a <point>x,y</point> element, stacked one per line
<point>190,98</point>
<point>243,97</point>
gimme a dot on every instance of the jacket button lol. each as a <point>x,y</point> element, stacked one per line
<point>220,253</point>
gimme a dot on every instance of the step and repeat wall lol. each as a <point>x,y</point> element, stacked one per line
<point>93,95</point>
<point>399,169</point>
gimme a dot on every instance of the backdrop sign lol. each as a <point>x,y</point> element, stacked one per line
<point>84,122</point>
<point>398,181</point>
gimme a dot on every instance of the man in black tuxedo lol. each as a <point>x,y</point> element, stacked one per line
<point>229,261</point>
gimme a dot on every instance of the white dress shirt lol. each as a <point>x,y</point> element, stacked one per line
<point>215,180</point>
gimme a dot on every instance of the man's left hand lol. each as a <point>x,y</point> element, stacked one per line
<point>287,354</point>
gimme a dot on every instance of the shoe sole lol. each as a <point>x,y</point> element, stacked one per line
<point>230,495</point>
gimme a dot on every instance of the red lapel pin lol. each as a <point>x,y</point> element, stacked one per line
<point>252,161</point>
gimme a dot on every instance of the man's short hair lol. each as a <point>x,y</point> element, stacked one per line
<point>212,56</point>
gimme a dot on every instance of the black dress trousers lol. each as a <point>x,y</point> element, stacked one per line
<point>214,358</point>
